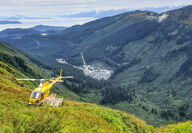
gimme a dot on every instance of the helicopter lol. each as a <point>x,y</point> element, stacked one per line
<point>43,91</point>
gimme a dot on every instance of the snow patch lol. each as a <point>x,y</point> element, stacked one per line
<point>44,34</point>
<point>158,18</point>
<point>152,17</point>
<point>173,33</point>
<point>96,72</point>
<point>37,42</point>
<point>61,61</point>
<point>163,17</point>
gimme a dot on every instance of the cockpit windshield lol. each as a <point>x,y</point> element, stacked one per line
<point>35,95</point>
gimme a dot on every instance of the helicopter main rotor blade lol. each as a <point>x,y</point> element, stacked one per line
<point>67,77</point>
<point>31,79</point>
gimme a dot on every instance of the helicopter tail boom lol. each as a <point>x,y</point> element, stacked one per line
<point>61,74</point>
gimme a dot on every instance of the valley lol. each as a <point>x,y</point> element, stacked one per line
<point>138,62</point>
<point>16,116</point>
<point>90,70</point>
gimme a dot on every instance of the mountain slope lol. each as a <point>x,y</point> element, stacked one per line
<point>19,61</point>
<point>16,116</point>
<point>177,128</point>
<point>146,50</point>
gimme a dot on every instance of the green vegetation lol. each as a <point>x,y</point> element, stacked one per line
<point>17,117</point>
<point>185,127</point>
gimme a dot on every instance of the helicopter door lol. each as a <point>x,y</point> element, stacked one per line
<point>42,95</point>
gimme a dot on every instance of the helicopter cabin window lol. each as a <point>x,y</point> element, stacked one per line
<point>33,94</point>
<point>38,95</point>
<point>42,94</point>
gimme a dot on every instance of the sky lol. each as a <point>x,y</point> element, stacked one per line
<point>55,11</point>
<point>65,7</point>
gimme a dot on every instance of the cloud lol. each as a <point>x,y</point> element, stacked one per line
<point>64,7</point>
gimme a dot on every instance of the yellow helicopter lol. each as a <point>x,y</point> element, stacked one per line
<point>41,92</point>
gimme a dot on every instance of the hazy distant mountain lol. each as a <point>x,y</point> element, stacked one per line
<point>40,30</point>
<point>96,14</point>
<point>162,9</point>
<point>18,17</point>
<point>107,13</point>
<point>44,28</point>
<point>9,22</point>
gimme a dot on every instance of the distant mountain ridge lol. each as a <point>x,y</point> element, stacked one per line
<point>45,28</point>
<point>9,22</point>
<point>108,13</point>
